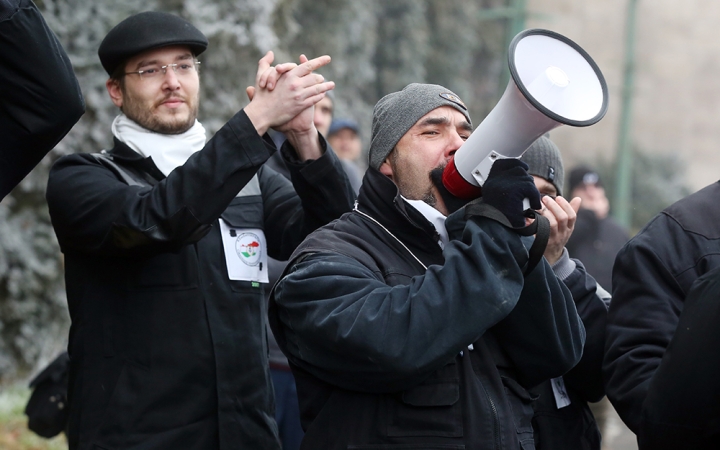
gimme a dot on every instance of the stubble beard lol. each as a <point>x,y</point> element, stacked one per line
<point>410,185</point>
<point>145,116</point>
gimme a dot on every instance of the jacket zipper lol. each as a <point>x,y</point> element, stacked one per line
<point>496,419</point>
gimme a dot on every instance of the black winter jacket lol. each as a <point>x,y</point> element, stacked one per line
<point>40,99</point>
<point>387,354</point>
<point>574,427</point>
<point>682,407</point>
<point>652,276</point>
<point>166,351</point>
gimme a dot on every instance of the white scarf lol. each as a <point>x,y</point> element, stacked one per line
<point>168,151</point>
<point>435,217</point>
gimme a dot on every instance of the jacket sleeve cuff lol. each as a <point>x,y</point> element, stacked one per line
<point>250,140</point>
<point>312,170</point>
<point>564,266</point>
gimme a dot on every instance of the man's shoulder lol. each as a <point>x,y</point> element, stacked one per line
<point>682,236</point>
<point>336,233</point>
<point>345,235</point>
<point>74,159</point>
<point>698,213</point>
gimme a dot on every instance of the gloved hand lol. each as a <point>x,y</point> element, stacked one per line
<point>507,184</point>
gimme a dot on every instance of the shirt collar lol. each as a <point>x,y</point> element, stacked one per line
<point>435,217</point>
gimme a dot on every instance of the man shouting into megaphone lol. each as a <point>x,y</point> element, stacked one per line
<point>407,326</point>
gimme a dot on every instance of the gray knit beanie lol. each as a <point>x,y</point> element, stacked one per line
<point>544,160</point>
<point>396,113</point>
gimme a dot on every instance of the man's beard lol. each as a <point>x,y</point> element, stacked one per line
<point>408,185</point>
<point>143,115</point>
<point>410,189</point>
<point>430,198</point>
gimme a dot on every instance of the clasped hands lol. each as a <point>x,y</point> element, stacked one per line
<point>283,99</point>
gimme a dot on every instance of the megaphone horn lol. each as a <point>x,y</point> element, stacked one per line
<point>554,82</point>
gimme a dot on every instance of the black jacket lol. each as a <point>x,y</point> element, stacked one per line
<point>379,345</point>
<point>40,97</point>
<point>682,407</point>
<point>573,427</point>
<point>652,276</point>
<point>166,351</point>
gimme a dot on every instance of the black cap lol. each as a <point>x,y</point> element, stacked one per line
<point>544,160</point>
<point>146,31</point>
<point>583,175</point>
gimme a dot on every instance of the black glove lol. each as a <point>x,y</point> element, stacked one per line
<point>452,203</point>
<point>507,184</point>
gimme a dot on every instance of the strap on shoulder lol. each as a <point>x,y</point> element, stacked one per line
<point>540,227</point>
<point>122,173</point>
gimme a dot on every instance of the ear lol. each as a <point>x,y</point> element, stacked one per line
<point>116,95</point>
<point>386,169</point>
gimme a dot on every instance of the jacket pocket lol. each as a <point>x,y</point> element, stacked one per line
<point>521,405</point>
<point>430,409</point>
<point>246,212</point>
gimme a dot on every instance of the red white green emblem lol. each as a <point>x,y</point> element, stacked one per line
<point>248,248</point>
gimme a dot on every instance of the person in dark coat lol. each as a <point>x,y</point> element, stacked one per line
<point>563,419</point>
<point>652,279</point>
<point>682,407</point>
<point>166,238</point>
<point>41,98</point>
<point>597,237</point>
<point>287,412</point>
<point>406,330</point>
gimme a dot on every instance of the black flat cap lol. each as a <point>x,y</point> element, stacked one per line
<point>145,31</point>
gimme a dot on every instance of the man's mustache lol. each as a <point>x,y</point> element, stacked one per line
<point>171,96</point>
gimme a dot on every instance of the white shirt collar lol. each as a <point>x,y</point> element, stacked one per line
<point>435,217</point>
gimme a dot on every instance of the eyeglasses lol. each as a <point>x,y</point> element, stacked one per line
<point>156,71</point>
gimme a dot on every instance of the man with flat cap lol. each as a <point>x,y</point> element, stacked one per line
<point>166,239</point>
<point>409,329</point>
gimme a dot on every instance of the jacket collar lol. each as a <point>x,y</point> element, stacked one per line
<point>380,198</point>
<point>122,154</point>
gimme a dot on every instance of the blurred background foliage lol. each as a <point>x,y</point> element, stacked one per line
<point>657,181</point>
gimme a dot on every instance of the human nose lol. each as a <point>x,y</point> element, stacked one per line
<point>170,78</point>
<point>456,141</point>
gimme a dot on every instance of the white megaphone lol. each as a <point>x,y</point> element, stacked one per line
<point>554,82</point>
